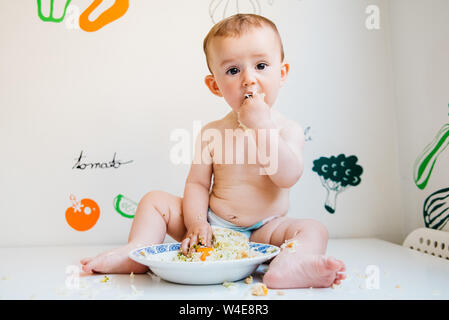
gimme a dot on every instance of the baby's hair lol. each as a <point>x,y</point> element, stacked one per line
<point>235,26</point>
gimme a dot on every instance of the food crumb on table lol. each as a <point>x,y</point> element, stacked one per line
<point>259,289</point>
<point>229,285</point>
<point>105,279</point>
<point>249,280</point>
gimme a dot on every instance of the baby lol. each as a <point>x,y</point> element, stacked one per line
<point>245,56</point>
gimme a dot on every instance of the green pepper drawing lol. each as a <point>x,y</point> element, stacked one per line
<point>425,162</point>
<point>337,174</point>
<point>50,17</point>
<point>435,209</point>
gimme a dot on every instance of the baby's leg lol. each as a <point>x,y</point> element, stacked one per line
<point>158,213</point>
<point>303,263</point>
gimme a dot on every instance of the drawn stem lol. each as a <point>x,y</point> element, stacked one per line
<point>331,200</point>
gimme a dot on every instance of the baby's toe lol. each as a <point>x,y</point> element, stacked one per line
<point>90,266</point>
<point>333,264</point>
<point>340,276</point>
<point>85,261</point>
<point>86,269</point>
<point>343,266</point>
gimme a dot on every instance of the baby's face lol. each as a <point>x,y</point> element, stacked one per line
<point>245,64</point>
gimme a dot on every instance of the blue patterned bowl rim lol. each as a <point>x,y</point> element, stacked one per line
<point>168,247</point>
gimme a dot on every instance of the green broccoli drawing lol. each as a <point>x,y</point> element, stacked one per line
<point>337,174</point>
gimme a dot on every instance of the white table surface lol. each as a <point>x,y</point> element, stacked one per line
<point>376,269</point>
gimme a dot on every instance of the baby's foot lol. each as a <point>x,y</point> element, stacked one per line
<point>316,271</point>
<point>114,261</point>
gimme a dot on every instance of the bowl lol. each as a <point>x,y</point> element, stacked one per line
<point>160,260</point>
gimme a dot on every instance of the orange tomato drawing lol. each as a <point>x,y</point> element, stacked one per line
<point>82,215</point>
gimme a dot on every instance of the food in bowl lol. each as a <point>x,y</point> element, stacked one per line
<point>227,244</point>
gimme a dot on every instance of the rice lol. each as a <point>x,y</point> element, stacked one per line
<point>227,244</point>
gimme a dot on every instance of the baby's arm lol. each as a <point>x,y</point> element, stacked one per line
<point>291,147</point>
<point>196,198</point>
<point>285,165</point>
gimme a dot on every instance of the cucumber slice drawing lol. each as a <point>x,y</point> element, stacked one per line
<point>125,206</point>
<point>424,164</point>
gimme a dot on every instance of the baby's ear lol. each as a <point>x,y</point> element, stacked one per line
<point>285,68</point>
<point>212,85</point>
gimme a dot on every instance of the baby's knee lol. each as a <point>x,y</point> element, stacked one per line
<point>153,197</point>
<point>311,226</point>
<point>161,202</point>
<point>318,227</point>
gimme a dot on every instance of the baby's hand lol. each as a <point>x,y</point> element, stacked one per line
<point>254,112</point>
<point>199,233</point>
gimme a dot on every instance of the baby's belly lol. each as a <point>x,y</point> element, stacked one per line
<point>247,205</point>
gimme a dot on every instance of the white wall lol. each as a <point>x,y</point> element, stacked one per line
<point>126,87</point>
<point>420,38</point>
<point>341,86</point>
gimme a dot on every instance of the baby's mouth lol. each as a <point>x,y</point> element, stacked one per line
<point>250,94</point>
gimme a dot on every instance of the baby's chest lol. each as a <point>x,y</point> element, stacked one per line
<point>234,147</point>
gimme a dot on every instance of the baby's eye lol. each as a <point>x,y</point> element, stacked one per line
<point>232,71</point>
<point>261,66</point>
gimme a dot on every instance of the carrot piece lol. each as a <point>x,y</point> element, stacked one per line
<point>206,252</point>
<point>265,290</point>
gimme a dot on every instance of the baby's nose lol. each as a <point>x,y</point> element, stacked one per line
<point>248,79</point>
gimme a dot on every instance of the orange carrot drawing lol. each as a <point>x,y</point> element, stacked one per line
<point>117,10</point>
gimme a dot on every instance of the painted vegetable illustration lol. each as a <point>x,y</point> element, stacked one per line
<point>82,215</point>
<point>50,17</point>
<point>117,10</point>
<point>125,206</point>
<point>337,173</point>
<point>436,209</point>
<point>424,164</point>
<point>220,9</point>
<point>114,12</point>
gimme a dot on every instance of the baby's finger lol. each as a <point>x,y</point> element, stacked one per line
<point>193,240</point>
<point>185,245</point>
<point>209,238</point>
<point>202,239</point>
